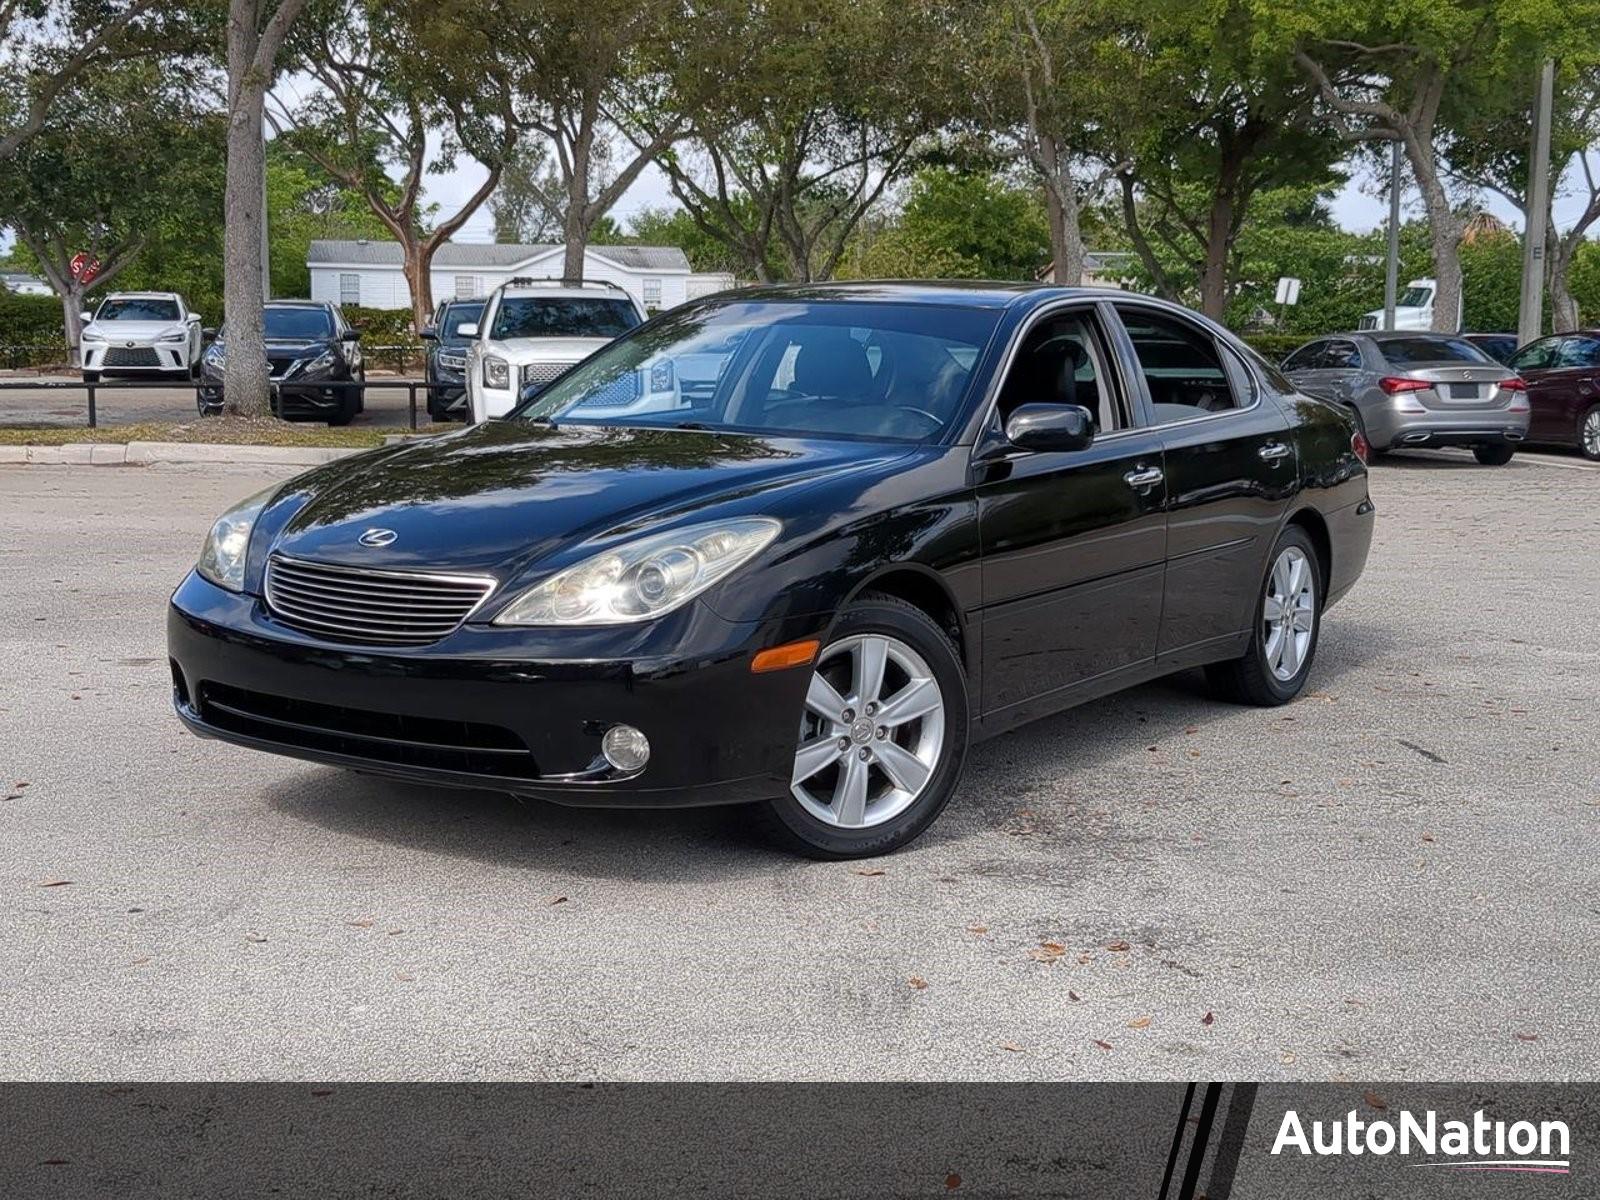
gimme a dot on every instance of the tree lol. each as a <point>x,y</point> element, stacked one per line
<point>526,205</point>
<point>47,45</point>
<point>675,227</point>
<point>304,205</point>
<point>388,76</point>
<point>588,70</point>
<point>256,33</point>
<point>802,113</point>
<point>125,157</point>
<point>1206,124</point>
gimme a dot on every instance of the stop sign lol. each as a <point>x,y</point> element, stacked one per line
<point>84,266</point>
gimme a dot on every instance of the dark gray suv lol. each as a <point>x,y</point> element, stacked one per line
<point>1417,389</point>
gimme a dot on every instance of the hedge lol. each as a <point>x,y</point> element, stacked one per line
<point>1274,347</point>
<point>30,331</point>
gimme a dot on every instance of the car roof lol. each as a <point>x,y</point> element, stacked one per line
<point>297,304</point>
<point>976,293</point>
<point>142,296</point>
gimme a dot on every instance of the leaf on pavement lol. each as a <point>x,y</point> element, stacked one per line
<point>1102,1045</point>
<point>56,883</point>
<point>1527,1037</point>
<point>1374,1101</point>
<point>1139,1023</point>
<point>1047,952</point>
<point>253,936</point>
<point>1209,1019</point>
<point>978,929</point>
<point>362,924</point>
<point>1014,1047</point>
<point>917,982</point>
<point>952,1182</point>
<point>1073,996</point>
<point>870,871</point>
<point>556,900</point>
<point>1117,946</point>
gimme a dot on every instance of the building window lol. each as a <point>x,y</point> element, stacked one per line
<point>350,289</point>
<point>467,287</point>
<point>652,293</point>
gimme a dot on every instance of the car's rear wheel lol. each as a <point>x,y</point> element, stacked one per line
<point>1283,641</point>
<point>882,739</point>
<point>1494,454</point>
<point>1589,434</point>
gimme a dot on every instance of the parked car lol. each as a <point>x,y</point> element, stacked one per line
<point>1498,346</point>
<point>906,517</point>
<point>446,365</point>
<point>313,359</point>
<point>533,330</point>
<point>1413,308</point>
<point>1417,389</point>
<point>1563,376</point>
<point>140,333</point>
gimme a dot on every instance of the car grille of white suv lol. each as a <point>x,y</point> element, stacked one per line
<point>541,373</point>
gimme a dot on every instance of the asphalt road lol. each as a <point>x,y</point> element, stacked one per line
<point>1393,878</point>
<point>114,405</point>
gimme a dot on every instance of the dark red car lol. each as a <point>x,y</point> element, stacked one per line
<point>1563,375</point>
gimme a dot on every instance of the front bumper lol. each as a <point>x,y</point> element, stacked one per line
<point>317,399</point>
<point>135,358</point>
<point>498,708</point>
<point>1390,430</point>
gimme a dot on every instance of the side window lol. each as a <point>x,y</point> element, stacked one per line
<point>1580,352</point>
<point>1181,366</point>
<point>1343,356</point>
<point>1307,358</point>
<point>1062,360</point>
<point>1538,356</point>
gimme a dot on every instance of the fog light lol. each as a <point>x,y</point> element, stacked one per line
<point>625,748</point>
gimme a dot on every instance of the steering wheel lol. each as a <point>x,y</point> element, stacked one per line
<point>933,421</point>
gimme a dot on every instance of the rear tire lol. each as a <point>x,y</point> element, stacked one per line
<point>1494,454</point>
<point>904,770</point>
<point>1288,622</point>
<point>1589,434</point>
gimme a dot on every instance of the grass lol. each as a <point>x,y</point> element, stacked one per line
<point>229,431</point>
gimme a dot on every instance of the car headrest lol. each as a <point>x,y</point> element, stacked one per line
<point>836,365</point>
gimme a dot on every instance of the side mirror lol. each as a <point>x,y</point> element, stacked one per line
<point>350,335</point>
<point>468,329</point>
<point>429,334</point>
<point>1050,427</point>
<point>209,332</point>
<point>86,317</point>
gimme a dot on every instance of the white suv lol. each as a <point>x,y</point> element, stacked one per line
<point>139,333</point>
<point>532,330</point>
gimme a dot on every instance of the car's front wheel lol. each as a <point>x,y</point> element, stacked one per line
<point>883,737</point>
<point>1589,434</point>
<point>1274,667</point>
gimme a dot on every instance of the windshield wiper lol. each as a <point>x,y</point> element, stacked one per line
<point>698,425</point>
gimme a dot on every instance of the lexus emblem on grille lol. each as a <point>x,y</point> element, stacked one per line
<point>377,537</point>
<point>131,345</point>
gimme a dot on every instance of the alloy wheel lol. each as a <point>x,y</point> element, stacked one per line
<point>1591,434</point>
<point>1289,613</point>
<point>871,734</point>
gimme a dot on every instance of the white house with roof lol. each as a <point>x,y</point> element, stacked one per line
<point>368,273</point>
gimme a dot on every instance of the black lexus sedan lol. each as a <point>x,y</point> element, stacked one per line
<point>907,516</point>
<point>313,359</point>
<point>446,361</point>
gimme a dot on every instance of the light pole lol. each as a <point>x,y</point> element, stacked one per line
<point>1530,315</point>
<point>1391,274</point>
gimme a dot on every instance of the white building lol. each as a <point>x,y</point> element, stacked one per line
<point>24,285</point>
<point>368,273</point>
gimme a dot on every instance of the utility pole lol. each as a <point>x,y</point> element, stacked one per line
<point>1530,316</point>
<point>1391,275</point>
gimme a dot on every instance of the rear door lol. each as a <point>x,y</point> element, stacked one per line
<point>1551,389</point>
<point>1073,542</point>
<point>1230,474</point>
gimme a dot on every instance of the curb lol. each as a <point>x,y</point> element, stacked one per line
<point>146,454</point>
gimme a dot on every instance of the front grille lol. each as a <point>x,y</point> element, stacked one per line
<point>445,745</point>
<point>541,373</point>
<point>377,608</point>
<point>282,366</point>
<point>131,356</point>
<point>620,391</point>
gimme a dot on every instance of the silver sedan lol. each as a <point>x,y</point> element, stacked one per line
<point>1417,389</point>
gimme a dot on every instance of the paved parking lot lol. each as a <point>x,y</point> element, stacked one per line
<point>114,405</point>
<point>1393,878</point>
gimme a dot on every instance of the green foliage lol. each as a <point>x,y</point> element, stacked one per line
<point>675,227</point>
<point>28,321</point>
<point>304,205</point>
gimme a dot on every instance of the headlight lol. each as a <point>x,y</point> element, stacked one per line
<point>177,335</point>
<point>222,559</point>
<point>323,362</point>
<point>91,334</point>
<point>661,375</point>
<point>643,579</point>
<point>215,355</point>
<point>496,373</point>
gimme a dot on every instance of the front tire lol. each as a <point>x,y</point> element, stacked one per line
<point>882,738</point>
<point>1494,454</point>
<point>1283,643</point>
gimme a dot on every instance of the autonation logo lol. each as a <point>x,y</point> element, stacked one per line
<point>1476,1145</point>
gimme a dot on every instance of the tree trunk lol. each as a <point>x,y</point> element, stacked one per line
<point>418,269</point>
<point>575,228</point>
<point>1564,315</point>
<point>72,320</point>
<point>1219,241</point>
<point>1444,234</point>
<point>244,384</point>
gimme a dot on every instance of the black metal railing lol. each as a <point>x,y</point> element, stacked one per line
<point>410,386</point>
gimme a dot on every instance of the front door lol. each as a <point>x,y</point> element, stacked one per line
<point>1550,388</point>
<point>1073,542</point>
<point>1231,473</point>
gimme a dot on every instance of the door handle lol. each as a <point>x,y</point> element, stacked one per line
<point>1273,451</point>
<point>1144,477</point>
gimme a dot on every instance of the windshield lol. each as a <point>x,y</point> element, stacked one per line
<point>138,308</point>
<point>458,315</point>
<point>845,369</point>
<point>1415,297</point>
<point>563,316</point>
<point>1405,352</point>
<point>287,324</point>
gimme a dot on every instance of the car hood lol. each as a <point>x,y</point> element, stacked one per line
<point>134,331</point>
<point>550,349</point>
<point>500,496</point>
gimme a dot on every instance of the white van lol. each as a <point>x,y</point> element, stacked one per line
<point>1413,308</point>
